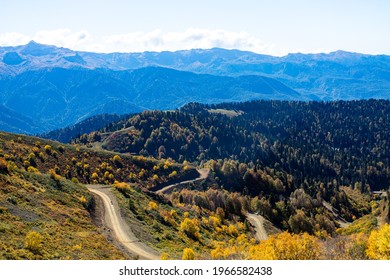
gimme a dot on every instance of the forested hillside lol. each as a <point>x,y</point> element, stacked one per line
<point>345,141</point>
<point>293,156</point>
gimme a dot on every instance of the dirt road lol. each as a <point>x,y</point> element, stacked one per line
<point>118,225</point>
<point>258,222</point>
<point>342,223</point>
<point>203,174</point>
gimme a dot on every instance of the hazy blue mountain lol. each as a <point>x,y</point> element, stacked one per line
<point>337,75</point>
<point>15,122</point>
<point>61,97</point>
<point>57,87</point>
<point>89,125</point>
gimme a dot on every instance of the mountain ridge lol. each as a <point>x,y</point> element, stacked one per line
<point>57,87</point>
<point>58,97</point>
<point>116,61</point>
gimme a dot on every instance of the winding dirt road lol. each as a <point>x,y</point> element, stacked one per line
<point>124,234</point>
<point>203,174</point>
<point>118,225</point>
<point>258,222</point>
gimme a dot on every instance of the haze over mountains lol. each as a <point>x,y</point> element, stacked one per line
<point>44,87</point>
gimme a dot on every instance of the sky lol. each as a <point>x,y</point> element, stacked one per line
<point>275,27</point>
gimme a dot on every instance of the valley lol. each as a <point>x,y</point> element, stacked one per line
<point>196,154</point>
<point>261,183</point>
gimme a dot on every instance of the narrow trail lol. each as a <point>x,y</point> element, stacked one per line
<point>258,222</point>
<point>118,225</point>
<point>342,223</point>
<point>203,174</point>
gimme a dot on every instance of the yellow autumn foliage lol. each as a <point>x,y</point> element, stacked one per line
<point>218,253</point>
<point>214,221</point>
<point>121,186</point>
<point>95,176</point>
<point>190,228</point>
<point>32,169</point>
<point>48,149</point>
<point>164,256</point>
<point>117,159</point>
<point>82,199</point>
<point>153,205</point>
<point>33,241</point>
<point>232,230</point>
<point>169,217</point>
<point>286,246</point>
<point>54,175</point>
<point>188,254</point>
<point>379,244</point>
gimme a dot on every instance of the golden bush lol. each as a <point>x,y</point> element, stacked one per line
<point>82,199</point>
<point>232,230</point>
<point>379,244</point>
<point>153,205</point>
<point>32,169</point>
<point>33,241</point>
<point>164,257</point>
<point>188,254</point>
<point>48,149</point>
<point>190,228</point>
<point>121,186</point>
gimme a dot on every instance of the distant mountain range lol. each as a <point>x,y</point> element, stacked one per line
<point>66,134</point>
<point>45,87</point>
<point>15,122</point>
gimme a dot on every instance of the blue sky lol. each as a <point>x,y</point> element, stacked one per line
<point>273,27</point>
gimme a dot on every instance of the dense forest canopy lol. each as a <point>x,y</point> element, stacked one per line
<point>340,143</point>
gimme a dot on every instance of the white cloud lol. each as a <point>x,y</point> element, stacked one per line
<point>156,40</point>
<point>63,38</point>
<point>13,39</point>
<point>60,37</point>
